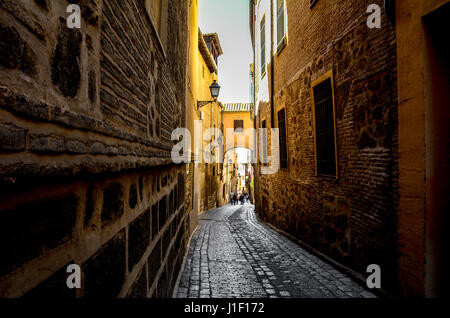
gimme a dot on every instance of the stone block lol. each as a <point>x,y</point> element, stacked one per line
<point>76,146</point>
<point>141,187</point>
<point>138,238</point>
<point>139,288</point>
<point>171,203</point>
<point>132,197</point>
<point>46,143</point>
<point>166,242</point>
<point>104,273</point>
<point>26,17</point>
<point>97,148</point>
<point>155,222</point>
<point>54,287</point>
<point>65,64</point>
<point>90,204</point>
<point>15,52</point>
<point>12,138</point>
<point>162,218</point>
<point>154,262</point>
<point>89,10</point>
<point>341,222</point>
<point>162,289</point>
<point>42,3</point>
<point>92,87</point>
<point>29,230</point>
<point>113,206</point>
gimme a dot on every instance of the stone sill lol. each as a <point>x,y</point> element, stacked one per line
<point>42,111</point>
<point>263,74</point>
<point>281,45</point>
<point>13,168</point>
<point>63,148</point>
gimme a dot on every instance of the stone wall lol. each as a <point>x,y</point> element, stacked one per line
<point>85,170</point>
<point>352,218</point>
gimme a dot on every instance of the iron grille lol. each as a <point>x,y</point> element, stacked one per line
<point>280,21</point>
<point>264,141</point>
<point>238,126</point>
<point>263,45</point>
<point>282,138</point>
<point>324,122</point>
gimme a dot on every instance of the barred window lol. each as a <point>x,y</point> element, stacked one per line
<point>280,22</point>
<point>313,3</point>
<point>324,129</point>
<point>264,141</point>
<point>263,45</point>
<point>282,137</point>
<point>158,12</point>
<point>238,126</point>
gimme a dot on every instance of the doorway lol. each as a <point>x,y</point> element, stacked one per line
<point>437,131</point>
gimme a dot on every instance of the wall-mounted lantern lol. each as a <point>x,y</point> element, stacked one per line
<point>215,90</point>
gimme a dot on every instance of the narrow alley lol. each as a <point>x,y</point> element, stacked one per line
<point>232,254</point>
<point>129,130</point>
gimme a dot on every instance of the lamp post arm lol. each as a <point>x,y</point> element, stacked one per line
<point>202,103</point>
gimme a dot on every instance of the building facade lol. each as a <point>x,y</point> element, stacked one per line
<point>423,80</point>
<point>204,114</point>
<point>328,83</point>
<point>238,123</point>
<point>210,177</point>
<point>86,175</point>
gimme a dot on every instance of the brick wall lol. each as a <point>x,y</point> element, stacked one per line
<point>353,218</point>
<point>85,170</point>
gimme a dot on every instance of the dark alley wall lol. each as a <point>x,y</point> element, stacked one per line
<point>85,170</point>
<point>352,217</point>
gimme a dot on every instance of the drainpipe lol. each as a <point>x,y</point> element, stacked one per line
<point>255,139</point>
<point>272,60</point>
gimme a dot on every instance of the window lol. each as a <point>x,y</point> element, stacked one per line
<point>157,10</point>
<point>264,141</point>
<point>238,126</point>
<point>280,24</point>
<point>154,8</point>
<point>282,137</point>
<point>263,45</point>
<point>324,128</point>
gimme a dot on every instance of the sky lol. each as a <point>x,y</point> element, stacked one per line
<point>230,20</point>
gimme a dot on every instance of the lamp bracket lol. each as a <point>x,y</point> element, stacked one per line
<point>202,103</point>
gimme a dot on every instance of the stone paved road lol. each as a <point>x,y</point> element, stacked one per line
<point>232,254</point>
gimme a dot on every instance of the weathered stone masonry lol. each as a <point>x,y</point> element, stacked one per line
<point>352,218</point>
<point>85,169</point>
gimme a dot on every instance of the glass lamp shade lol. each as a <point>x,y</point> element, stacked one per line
<point>215,89</point>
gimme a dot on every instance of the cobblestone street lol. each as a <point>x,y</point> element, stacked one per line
<point>232,254</point>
